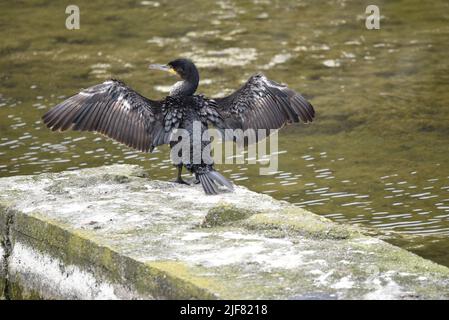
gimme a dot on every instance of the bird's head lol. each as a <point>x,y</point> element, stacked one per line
<point>184,68</point>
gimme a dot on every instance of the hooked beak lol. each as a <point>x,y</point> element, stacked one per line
<point>163,67</point>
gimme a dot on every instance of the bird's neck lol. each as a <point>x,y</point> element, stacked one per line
<point>186,87</point>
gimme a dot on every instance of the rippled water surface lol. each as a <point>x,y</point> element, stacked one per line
<point>377,154</point>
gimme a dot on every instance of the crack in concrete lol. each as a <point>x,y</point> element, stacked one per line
<point>7,249</point>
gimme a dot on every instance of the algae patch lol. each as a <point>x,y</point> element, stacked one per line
<point>177,281</point>
<point>296,221</point>
<point>224,214</point>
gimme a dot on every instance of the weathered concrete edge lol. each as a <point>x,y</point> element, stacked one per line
<point>76,256</point>
<point>108,274</point>
<point>71,257</point>
<point>2,272</point>
<point>4,254</point>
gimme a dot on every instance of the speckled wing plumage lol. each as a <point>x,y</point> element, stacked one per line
<point>263,104</point>
<point>114,110</point>
<point>177,109</point>
<point>173,113</point>
<point>208,111</point>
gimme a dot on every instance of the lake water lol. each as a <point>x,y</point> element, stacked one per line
<point>377,154</point>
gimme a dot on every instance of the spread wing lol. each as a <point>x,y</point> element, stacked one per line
<point>263,104</point>
<point>114,110</point>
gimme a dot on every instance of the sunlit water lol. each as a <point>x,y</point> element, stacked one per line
<point>377,154</point>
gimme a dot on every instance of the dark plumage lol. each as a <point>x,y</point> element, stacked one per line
<point>119,112</point>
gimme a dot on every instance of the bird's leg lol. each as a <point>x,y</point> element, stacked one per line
<point>196,181</point>
<point>179,178</point>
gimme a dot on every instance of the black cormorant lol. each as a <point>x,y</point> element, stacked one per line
<point>119,112</point>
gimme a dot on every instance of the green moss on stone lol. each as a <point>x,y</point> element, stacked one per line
<point>2,286</point>
<point>19,292</point>
<point>224,213</point>
<point>180,282</point>
<point>297,221</point>
<point>118,178</point>
<point>73,247</point>
<point>391,257</point>
<point>81,248</point>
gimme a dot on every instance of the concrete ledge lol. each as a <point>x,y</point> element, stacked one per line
<point>2,273</point>
<point>111,233</point>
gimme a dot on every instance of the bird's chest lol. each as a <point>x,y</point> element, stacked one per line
<point>182,112</point>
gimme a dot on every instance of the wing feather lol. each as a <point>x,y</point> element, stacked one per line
<point>263,104</point>
<point>113,109</point>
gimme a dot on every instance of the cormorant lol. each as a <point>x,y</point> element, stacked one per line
<point>119,112</point>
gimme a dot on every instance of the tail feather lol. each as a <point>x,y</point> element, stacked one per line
<point>217,177</point>
<point>210,179</point>
<point>207,184</point>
